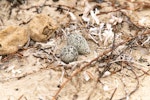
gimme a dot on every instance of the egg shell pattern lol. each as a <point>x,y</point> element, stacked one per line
<point>79,42</point>
<point>69,54</point>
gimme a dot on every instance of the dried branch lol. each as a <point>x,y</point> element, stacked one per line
<point>137,84</point>
<point>113,94</point>
<point>95,59</point>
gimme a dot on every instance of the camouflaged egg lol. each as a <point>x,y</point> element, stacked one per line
<point>79,42</point>
<point>69,54</point>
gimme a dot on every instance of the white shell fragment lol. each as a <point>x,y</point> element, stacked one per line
<point>79,42</point>
<point>69,54</point>
<point>86,76</point>
<point>107,73</point>
<point>106,88</point>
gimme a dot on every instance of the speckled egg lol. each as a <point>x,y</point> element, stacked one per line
<point>79,42</point>
<point>69,54</point>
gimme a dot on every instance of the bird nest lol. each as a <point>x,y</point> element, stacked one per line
<point>115,35</point>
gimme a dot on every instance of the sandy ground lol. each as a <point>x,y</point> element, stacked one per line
<point>36,73</point>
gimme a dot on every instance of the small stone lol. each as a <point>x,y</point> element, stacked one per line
<point>12,39</point>
<point>79,42</point>
<point>42,28</point>
<point>69,54</point>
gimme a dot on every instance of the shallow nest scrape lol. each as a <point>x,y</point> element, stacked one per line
<point>113,70</point>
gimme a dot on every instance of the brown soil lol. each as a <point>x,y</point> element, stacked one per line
<point>35,72</point>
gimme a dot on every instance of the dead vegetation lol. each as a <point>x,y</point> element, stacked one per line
<point>118,35</point>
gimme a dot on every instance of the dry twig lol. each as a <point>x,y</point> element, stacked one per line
<point>113,94</point>
<point>136,88</point>
<point>95,59</point>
